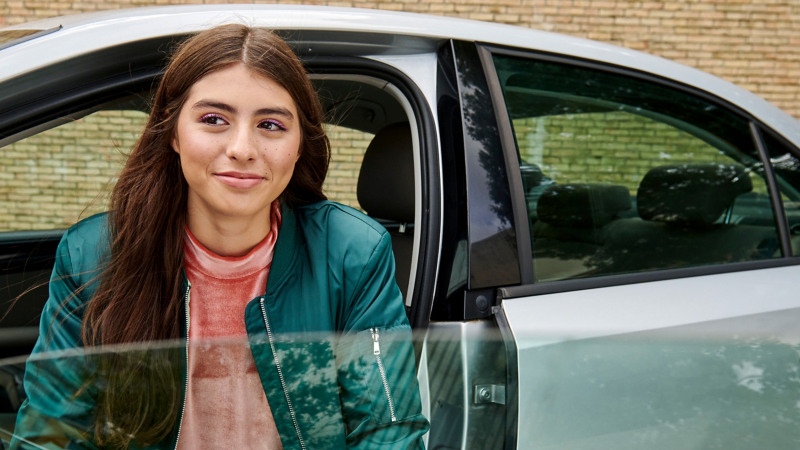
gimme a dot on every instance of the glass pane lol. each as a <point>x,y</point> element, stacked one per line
<point>730,384</point>
<point>212,389</point>
<point>52,179</point>
<point>787,173</point>
<point>347,154</point>
<point>623,176</point>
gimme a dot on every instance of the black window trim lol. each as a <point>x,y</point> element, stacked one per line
<point>781,220</point>
<point>579,284</point>
<point>507,141</point>
<point>487,50</point>
<point>762,129</point>
<point>470,75</point>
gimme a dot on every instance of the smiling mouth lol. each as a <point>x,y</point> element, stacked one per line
<point>239,180</point>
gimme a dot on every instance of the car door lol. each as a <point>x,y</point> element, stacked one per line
<point>657,305</point>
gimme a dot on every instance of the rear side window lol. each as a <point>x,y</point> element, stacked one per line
<point>623,175</point>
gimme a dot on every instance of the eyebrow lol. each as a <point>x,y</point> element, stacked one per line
<point>275,110</point>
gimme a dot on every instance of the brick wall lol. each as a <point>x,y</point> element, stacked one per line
<point>753,43</point>
<point>53,179</point>
<point>347,153</point>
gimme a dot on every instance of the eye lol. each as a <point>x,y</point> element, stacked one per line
<point>272,125</point>
<point>213,119</point>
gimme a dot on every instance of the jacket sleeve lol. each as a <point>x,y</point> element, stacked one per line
<point>58,410</point>
<point>375,362</point>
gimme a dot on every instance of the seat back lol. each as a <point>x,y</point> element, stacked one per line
<point>572,227</point>
<point>386,191</point>
<point>680,207</point>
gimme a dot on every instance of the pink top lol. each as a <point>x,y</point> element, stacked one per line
<point>225,403</point>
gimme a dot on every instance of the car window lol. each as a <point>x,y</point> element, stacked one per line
<point>623,175</point>
<point>52,179</point>
<point>786,166</point>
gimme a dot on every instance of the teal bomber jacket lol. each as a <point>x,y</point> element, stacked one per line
<point>330,339</point>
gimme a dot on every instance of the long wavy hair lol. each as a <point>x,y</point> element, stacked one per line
<point>139,297</point>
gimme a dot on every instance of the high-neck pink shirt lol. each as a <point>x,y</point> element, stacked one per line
<point>225,403</point>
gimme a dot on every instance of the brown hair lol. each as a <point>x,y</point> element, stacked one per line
<point>139,297</point>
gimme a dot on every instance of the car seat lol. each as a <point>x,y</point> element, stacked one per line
<point>386,192</point>
<point>681,222</point>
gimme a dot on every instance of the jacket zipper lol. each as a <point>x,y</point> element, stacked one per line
<point>186,385</point>
<point>280,375</point>
<point>376,350</point>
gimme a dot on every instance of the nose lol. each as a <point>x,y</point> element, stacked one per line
<point>242,145</point>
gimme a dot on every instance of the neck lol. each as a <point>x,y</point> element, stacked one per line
<point>228,235</point>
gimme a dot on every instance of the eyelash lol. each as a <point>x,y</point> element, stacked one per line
<point>206,117</point>
<point>273,122</point>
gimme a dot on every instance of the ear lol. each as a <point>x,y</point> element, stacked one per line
<point>176,146</point>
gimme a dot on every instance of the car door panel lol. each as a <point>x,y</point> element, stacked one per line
<point>700,362</point>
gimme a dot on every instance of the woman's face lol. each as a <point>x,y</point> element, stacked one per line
<point>238,137</point>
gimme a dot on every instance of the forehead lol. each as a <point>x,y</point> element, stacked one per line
<point>238,85</point>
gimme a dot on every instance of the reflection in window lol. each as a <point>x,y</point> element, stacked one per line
<point>623,175</point>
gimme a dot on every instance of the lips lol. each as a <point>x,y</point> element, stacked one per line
<point>241,180</point>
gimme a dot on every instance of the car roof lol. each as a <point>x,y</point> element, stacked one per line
<point>83,33</point>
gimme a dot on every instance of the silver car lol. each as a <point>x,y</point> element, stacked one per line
<point>597,247</point>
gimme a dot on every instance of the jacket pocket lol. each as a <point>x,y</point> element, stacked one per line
<point>389,374</point>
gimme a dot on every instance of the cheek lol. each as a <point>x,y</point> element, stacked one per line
<point>284,162</point>
<point>285,157</point>
<point>196,152</point>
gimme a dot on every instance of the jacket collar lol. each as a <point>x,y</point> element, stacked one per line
<point>284,246</point>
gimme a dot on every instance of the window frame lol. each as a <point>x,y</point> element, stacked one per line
<point>487,51</point>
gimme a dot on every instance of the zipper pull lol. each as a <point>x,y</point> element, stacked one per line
<point>376,346</point>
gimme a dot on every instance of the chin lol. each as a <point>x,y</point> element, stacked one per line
<point>238,208</point>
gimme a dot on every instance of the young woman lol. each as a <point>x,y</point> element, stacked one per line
<point>218,227</point>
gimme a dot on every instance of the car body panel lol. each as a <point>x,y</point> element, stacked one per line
<point>591,313</point>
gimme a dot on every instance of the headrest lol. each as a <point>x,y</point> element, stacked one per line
<point>582,205</point>
<point>386,181</point>
<point>690,193</point>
